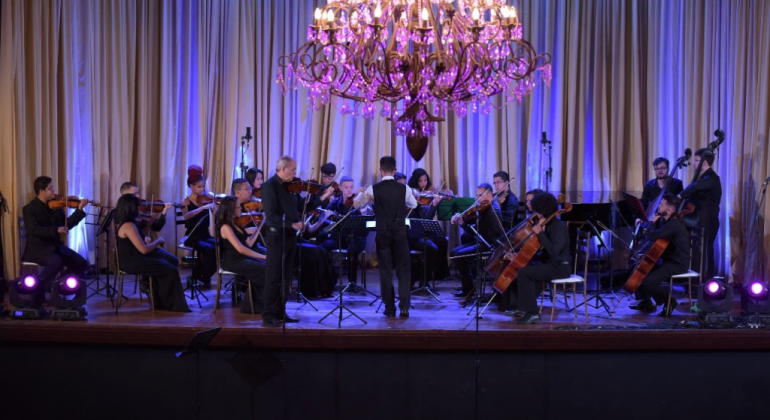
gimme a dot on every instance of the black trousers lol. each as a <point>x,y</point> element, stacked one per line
<point>207,258</point>
<point>393,252</point>
<point>254,271</point>
<point>435,257</point>
<point>466,266</point>
<point>529,283</point>
<point>54,262</point>
<point>280,247</point>
<point>710,227</point>
<point>651,285</point>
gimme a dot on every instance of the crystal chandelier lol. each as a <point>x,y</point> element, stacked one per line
<point>419,58</point>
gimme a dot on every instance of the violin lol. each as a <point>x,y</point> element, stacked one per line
<point>256,193</point>
<point>502,197</point>
<point>427,196</point>
<point>249,218</point>
<point>72,202</point>
<point>203,200</point>
<point>156,206</point>
<point>254,205</point>
<point>297,186</point>
<point>470,213</point>
<point>349,202</point>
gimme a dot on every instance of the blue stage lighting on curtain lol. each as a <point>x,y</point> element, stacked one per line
<point>68,295</point>
<point>715,300</point>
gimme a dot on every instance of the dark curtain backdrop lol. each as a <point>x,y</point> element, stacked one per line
<point>96,93</point>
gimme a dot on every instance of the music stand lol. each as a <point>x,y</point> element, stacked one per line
<point>200,341</point>
<point>348,224</point>
<point>425,229</point>
<point>635,204</point>
<point>600,303</point>
<point>104,227</point>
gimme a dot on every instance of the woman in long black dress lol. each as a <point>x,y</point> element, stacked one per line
<point>436,248</point>
<point>196,220</point>
<point>135,257</point>
<point>237,254</point>
<point>316,278</point>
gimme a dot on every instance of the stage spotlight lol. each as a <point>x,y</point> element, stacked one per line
<point>755,303</point>
<point>68,295</point>
<point>24,296</point>
<point>715,300</point>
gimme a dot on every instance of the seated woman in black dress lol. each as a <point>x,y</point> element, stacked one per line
<point>237,254</point>
<point>135,257</point>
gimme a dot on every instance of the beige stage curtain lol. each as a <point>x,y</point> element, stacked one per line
<point>101,92</point>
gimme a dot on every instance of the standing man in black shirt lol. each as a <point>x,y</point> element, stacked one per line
<point>509,203</point>
<point>706,194</point>
<point>282,221</point>
<point>391,198</point>
<point>44,226</point>
<point>676,257</point>
<point>654,187</point>
<point>488,227</point>
<point>554,239</point>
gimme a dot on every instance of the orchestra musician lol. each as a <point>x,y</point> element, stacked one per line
<point>242,190</point>
<point>509,203</point>
<point>238,253</point>
<point>356,244</point>
<point>156,226</point>
<point>390,202</point>
<point>400,177</point>
<point>554,240</point>
<point>197,221</point>
<point>282,221</point>
<point>323,198</point>
<point>136,256</point>
<point>676,257</point>
<point>488,227</point>
<point>706,194</point>
<point>256,177</point>
<point>44,245</point>
<point>654,187</point>
<point>436,248</point>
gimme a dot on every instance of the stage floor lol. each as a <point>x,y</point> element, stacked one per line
<point>432,325</point>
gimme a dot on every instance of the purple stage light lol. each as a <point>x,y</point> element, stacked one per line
<point>71,283</point>
<point>756,288</point>
<point>29,282</point>
<point>712,287</point>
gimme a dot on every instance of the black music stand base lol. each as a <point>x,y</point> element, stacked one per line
<point>200,341</point>
<point>301,298</point>
<point>341,306</point>
<point>195,291</point>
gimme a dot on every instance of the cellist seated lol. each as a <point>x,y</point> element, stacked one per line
<point>554,239</point>
<point>676,257</point>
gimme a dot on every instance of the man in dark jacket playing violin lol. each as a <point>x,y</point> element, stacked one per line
<point>554,239</point>
<point>44,226</point>
<point>676,257</point>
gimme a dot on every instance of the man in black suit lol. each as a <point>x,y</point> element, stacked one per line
<point>391,198</point>
<point>282,221</point>
<point>44,226</point>
<point>509,203</point>
<point>654,187</point>
<point>706,194</point>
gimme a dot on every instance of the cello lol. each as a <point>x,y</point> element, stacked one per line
<point>522,252</point>
<point>651,257</point>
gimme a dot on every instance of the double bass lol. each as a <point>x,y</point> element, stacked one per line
<point>651,257</point>
<point>521,252</point>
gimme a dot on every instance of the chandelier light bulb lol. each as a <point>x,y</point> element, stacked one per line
<point>317,14</point>
<point>329,16</point>
<point>354,17</point>
<point>504,12</point>
<point>475,15</point>
<point>513,12</point>
<point>425,15</point>
<point>378,11</point>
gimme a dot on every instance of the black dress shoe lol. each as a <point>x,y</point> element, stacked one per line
<point>390,313</point>
<point>644,307</point>
<point>668,309</point>
<point>288,319</point>
<point>460,294</point>
<point>270,323</point>
<point>404,313</point>
<point>528,318</point>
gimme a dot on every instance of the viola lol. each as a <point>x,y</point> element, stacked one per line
<point>254,205</point>
<point>522,252</point>
<point>249,218</point>
<point>72,202</point>
<point>203,200</point>
<point>156,206</point>
<point>651,257</point>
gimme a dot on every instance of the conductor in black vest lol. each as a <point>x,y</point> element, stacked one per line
<point>44,226</point>
<point>282,221</point>
<point>391,200</point>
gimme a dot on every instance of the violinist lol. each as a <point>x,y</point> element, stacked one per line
<point>654,187</point>
<point>136,257</point>
<point>282,221</point>
<point>242,189</point>
<point>509,203</point>
<point>390,202</point>
<point>256,177</point>
<point>44,226</point>
<point>238,254</point>
<point>157,224</point>
<point>436,248</point>
<point>554,239</point>
<point>706,193</point>
<point>323,198</point>
<point>488,227</point>
<point>197,221</point>
<point>676,257</point>
<point>342,205</point>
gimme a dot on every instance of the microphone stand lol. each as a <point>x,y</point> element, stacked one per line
<point>549,172</point>
<point>244,147</point>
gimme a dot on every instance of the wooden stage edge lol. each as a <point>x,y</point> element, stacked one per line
<point>404,340</point>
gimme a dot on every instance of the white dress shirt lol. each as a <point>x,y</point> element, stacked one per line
<point>364,198</point>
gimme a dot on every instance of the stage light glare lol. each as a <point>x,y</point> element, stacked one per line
<point>71,283</point>
<point>715,300</point>
<point>757,289</point>
<point>29,282</point>
<point>712,287</point>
